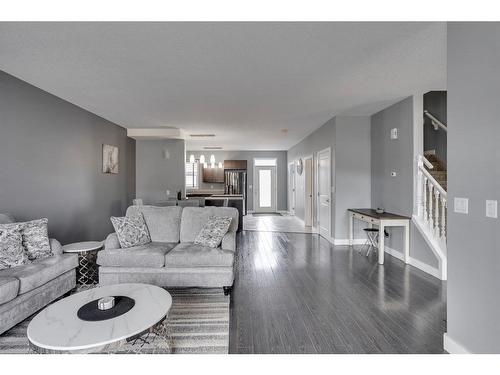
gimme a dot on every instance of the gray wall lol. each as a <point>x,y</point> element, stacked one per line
<point>473,172</point>
<point>281,160</point>
<point>395,194</point>
<point>160,166</point>
<point>350,141</point>
<point>435,103</point>
<point>320,139</point>
<point>353,172</point>
<point>51,163</point>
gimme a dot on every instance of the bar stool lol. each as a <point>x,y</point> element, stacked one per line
<point>372,239</point>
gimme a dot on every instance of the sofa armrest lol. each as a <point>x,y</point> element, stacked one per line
<point>229,241</point>
<point>112,242</point>
<point>55,246</point>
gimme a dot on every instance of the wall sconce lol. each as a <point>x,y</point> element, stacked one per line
<point>191,159</point>
<point>212,159</point>
<point>220,164</point>
<point>202,159</point>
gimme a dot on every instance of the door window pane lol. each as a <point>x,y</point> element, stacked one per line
<point>265,188</point>
<point>265,162</point>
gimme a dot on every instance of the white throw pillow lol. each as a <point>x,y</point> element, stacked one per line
<point>12,252</point>
<point>213,231</point>
<point>131,230</point>
<point>36,239</point>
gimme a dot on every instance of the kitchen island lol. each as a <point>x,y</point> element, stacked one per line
<point>222,200</point>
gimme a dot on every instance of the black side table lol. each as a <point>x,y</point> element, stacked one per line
<point>86,273</point>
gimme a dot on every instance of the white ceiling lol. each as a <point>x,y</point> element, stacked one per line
<point>244,82</point>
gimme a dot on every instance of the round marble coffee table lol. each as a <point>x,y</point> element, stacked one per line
<point>86,273</point>
<point>58,329</point>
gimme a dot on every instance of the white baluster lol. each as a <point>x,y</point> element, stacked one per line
<point>443,219</point>
<point>436,214</point>
<point>420,207</point>
<point>431,218</point>
<point>424,196</point>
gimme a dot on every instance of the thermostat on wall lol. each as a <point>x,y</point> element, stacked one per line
<point>394,133</point>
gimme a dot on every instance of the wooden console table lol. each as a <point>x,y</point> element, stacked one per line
<point>386,219</point>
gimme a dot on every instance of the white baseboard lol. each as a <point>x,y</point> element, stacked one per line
<point>414,262</point>
<point>453,347</point>
<point>426,268</point>
<point>357,241</point>
<point>394,253</point>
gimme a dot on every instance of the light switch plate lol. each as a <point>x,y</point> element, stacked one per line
<point>394,133</point>
<point>461,205</point>
<point>491,209</point>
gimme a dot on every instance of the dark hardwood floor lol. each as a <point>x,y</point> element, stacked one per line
<point>296,293</point>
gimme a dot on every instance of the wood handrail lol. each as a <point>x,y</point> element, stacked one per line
<point>435,122</point>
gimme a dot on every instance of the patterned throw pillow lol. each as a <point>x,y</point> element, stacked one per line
<point>213,231</point>
<point>131,230</point>
<point>11,246</point>
<point>36,239</point>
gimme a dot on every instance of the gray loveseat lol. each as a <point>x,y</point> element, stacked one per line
<point>26,289</point>
<point>172,259</point>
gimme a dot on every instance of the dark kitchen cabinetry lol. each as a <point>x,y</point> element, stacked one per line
<point>235,164</point>
<point>213,175</point>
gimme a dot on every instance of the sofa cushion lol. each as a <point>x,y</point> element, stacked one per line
<point>213,231</point>
<point>36,239</point>
<point>188,254</point>
<point>12,252</point>
<point>9,287</point>
<point>163,222</point>
<point>151,255</point>
<point>41,271</point>
<point>194,218</point>
<point>131,230</point>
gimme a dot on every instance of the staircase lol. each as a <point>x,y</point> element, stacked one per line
<point>438,170</point>
<point>432,206</point>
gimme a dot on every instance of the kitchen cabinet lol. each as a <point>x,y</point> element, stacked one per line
<point>235,164</point>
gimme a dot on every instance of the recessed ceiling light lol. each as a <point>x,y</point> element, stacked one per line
<point>201,135</point>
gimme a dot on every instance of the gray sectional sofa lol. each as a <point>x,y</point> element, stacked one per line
<point>172,259</point>
<point>26,289</point>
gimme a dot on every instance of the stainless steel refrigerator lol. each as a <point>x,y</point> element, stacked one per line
<point>235,182</point>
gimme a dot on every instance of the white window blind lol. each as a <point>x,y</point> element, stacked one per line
<point>192,175</point>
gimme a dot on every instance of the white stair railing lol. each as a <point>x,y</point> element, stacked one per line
<point>432,203</point>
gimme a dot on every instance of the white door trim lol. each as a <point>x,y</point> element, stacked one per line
<point>316,190</point>
<point>307,157</point>
<point>292,198</point>
<point>256,188</point>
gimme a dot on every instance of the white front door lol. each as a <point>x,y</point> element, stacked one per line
<point>291,188</point>
<point>324,193</point>
<point>264,189</point>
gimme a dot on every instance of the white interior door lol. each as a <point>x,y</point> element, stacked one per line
<point>308,199</point>
<point>291,188</point>
<point>324,193</point>
<point>264,189</point>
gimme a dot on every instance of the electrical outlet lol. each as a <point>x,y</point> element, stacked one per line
<point>168,193</point>
<point>393,174</point>
<point>461,205</point>
<point>491,209</point>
